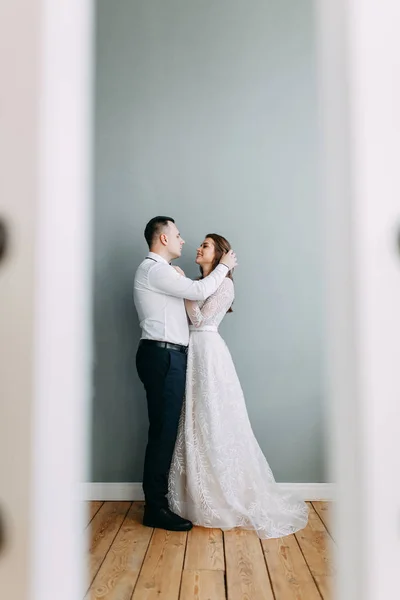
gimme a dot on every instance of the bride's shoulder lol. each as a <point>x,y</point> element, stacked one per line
<point>227,284</point>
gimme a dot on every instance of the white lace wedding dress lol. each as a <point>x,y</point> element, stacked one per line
<point>219,476</point>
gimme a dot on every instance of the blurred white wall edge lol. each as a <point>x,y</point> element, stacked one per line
<point>63,300</point>
<point>359,80</point>
<point>45,191</point>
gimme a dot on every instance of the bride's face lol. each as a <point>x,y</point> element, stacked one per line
<point>206,253</point>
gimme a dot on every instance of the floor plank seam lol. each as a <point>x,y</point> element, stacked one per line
<point>143,562</point>
<point>183,566</point>
<point>323,523</point>
<point>205,570</point>
<point>309,568</point>
<point>225,570</point>
<point>94,515</point>
<point>268,572</point>
<point>109,548</point>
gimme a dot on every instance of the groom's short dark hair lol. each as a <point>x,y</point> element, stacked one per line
<point>154,227</point>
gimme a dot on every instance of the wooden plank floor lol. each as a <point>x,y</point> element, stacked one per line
<point>128,561</point>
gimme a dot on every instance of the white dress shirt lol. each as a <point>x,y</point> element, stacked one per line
<point>159,293</point>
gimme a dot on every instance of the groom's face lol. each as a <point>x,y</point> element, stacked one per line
<point>175,242</point>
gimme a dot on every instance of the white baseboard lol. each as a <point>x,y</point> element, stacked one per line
<point>311,491</point>
<point>133,491</point>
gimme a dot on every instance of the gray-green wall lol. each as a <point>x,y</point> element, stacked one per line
<point>206,111</point>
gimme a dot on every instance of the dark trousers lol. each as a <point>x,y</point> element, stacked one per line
<point>163,374</point>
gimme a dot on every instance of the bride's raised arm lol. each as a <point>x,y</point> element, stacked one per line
<point>219,302</point>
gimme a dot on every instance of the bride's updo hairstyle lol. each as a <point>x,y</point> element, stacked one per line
<point>221,246</point>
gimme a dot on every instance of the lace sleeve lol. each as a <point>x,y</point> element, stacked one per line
<point>212,311</point>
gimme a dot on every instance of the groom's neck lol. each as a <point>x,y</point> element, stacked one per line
<point>163,252</point>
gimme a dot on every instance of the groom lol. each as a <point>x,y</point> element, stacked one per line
<point>159,293</point>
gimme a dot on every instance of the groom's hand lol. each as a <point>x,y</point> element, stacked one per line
<point>229,260</point>
<point>179,270</point>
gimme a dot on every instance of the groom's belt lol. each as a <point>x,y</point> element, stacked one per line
<point>166,345</point>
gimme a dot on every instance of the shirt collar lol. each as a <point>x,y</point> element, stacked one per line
<point>157,258</point>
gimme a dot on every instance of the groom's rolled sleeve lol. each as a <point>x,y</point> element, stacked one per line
<point>166,279</point>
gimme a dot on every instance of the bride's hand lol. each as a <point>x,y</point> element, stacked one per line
<point>229,260</point>
<point>179,270</point>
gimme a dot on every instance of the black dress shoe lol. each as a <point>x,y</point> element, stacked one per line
<point>164,518</point>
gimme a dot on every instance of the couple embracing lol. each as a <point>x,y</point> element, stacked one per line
<point>203,464</point>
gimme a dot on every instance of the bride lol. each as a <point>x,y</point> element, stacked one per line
<point>219,476</point>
